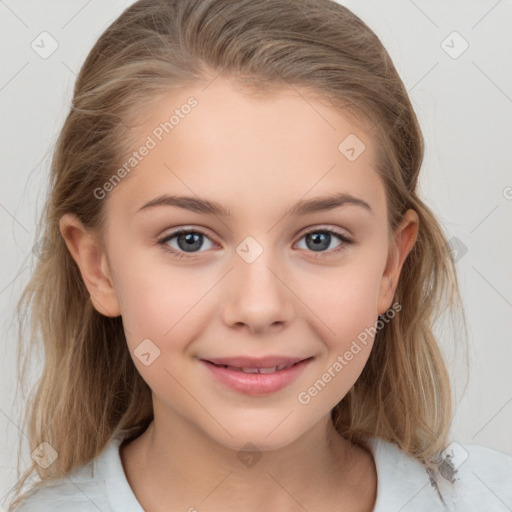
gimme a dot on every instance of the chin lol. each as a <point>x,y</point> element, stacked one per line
<point>265,436</point>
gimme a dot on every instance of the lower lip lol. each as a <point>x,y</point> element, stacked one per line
<point>257,383</point>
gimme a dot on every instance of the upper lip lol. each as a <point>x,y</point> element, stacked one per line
<point>256,362</point>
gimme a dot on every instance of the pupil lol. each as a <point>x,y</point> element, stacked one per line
<point>190,239</point>
<point>320,240</point>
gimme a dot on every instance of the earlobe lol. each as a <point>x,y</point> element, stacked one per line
<point>88,253</point>
<point>404,240</point>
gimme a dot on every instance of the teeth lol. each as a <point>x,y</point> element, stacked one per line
<point>257,370</point>
<point>267,370</point>
<point>245,370</point>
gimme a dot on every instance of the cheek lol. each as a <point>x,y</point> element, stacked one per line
<point>346,298</point>
<point>148,300</point>
<point>156,322</point>
<point>344,302</point>
<point>162,304</point>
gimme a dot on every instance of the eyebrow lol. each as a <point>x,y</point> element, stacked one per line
<point>302,207</point>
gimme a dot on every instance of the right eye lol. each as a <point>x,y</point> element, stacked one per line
<point>187,240</point>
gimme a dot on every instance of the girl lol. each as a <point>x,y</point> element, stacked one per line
<point>240,282</point>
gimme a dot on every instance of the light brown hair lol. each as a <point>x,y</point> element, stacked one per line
<point>89,388</point>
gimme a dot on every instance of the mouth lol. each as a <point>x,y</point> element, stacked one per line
<point>261,370</point>
<point>254,377</point>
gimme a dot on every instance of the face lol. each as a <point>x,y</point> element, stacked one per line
<point>257,278</point>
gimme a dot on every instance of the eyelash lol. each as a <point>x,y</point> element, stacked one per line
<point>179,255</point>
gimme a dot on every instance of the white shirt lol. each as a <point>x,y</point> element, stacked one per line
<point>483,483</point>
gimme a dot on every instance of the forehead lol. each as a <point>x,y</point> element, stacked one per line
<point>245,150</point>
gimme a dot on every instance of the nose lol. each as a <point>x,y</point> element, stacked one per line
<point>257,296</point>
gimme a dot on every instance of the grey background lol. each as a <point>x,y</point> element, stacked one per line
<point>465,109</point>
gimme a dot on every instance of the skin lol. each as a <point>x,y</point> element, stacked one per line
<point>257,156</point>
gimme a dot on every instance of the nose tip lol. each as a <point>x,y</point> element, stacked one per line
<point>257,298</point>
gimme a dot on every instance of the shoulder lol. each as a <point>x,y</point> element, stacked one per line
<point>467,478</point>
<point>481,476</point>
<point>78,492</point>
<point>81,491</point>
<point>75,492</point>
<point>98,485</point>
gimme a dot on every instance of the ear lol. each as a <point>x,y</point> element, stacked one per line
<point>91,258</point>
<point>404,239</point>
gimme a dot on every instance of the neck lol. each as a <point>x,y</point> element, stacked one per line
<point>174,462</point>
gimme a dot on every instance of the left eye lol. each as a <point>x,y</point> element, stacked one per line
<point>321,239</point>
<point>189,241</point>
